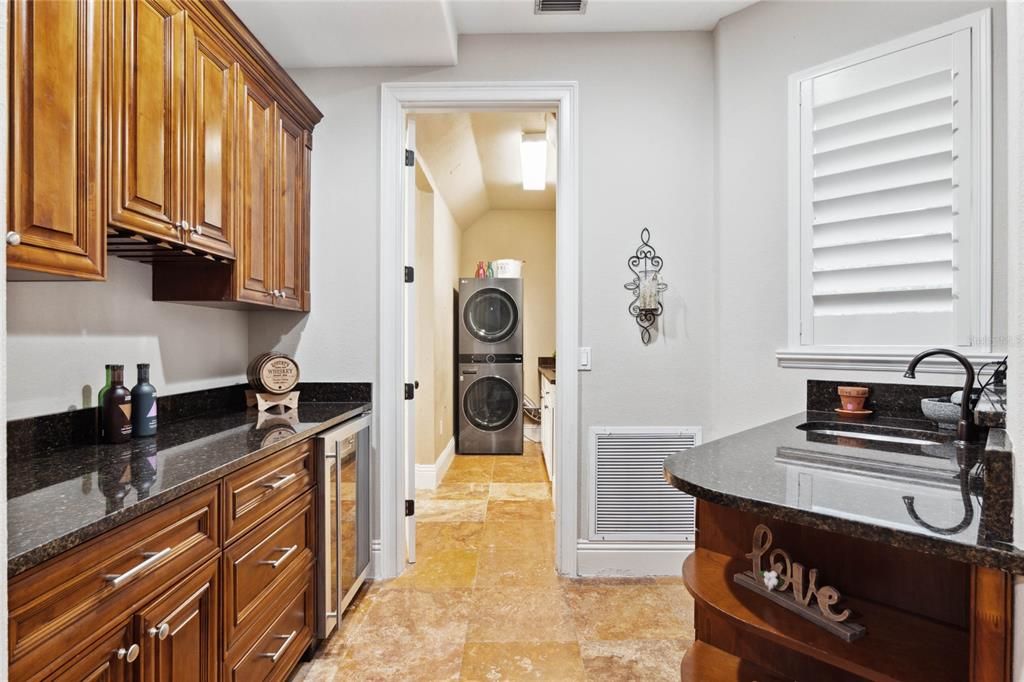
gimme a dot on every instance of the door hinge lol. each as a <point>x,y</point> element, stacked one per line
<point>410,274</point>
<point>410,157</point>
<point>410,391</point>
<point>410,507</point>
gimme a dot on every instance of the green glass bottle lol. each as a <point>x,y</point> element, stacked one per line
<point>115,402</point>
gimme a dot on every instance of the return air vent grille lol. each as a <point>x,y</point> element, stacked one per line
<point>560,6</point>
<point>631,499</point>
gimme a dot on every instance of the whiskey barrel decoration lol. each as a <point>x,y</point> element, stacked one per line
<point>273,373</point>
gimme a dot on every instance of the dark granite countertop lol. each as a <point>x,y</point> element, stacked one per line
<point>935,498</point>
<point>61,498</point>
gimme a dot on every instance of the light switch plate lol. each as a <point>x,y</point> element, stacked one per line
<point>584,360</point>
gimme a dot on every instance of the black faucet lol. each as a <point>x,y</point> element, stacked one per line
<point>965,430</point>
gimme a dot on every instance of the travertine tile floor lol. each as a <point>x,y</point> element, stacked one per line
<point>483,601</point>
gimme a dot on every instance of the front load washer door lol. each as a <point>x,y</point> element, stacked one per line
<point>491,315</point>
<point>490,404</point>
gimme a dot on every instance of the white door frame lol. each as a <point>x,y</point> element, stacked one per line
<point>396,100</point>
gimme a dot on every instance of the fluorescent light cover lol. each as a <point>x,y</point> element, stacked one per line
<point>534,156</point>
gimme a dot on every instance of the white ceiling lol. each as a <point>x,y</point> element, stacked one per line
<point>473,161</point>
<point>324,33</point>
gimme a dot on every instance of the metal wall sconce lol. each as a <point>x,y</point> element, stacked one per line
<point>646,286</point>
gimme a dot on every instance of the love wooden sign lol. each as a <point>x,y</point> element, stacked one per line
<point>790,585</point>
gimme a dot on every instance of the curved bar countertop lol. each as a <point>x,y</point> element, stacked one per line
<point>930,498</point>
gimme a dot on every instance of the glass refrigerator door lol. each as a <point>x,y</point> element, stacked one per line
<point>331,588</point>
<point>348,476</point>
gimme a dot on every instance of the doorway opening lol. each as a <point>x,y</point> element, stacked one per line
<point>441,190</point>
<point>481,216</point>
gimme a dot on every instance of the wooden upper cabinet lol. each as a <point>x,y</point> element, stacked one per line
<point>179,631</point>
<point>55,86</point>
<point>145,85</point>
<point>210,122</point>
<point>291,251</point>
<point>255,265</point>
<point>156,130</point>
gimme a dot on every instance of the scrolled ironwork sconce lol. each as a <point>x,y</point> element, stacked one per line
<point>646,286</point>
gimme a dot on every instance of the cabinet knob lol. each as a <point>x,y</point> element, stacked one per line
<point>13,238</point>
<point>198,229</point>
<point>129,654</point>
<point>160,631</point>
<point>185,226</point>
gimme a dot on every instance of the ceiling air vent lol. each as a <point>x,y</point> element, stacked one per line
<point>559,6</point>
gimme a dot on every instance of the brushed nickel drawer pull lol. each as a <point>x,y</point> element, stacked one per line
<point>160,631</point>
<point>277,654</point>
<point>119,579</point>
<point>281,481</point>
<point>129,654</point>
<point>287,553</point>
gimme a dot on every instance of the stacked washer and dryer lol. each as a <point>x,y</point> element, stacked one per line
<point>490,374</point>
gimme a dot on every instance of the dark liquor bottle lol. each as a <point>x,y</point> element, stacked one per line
<point>115,407</point>
<point>143,404</point>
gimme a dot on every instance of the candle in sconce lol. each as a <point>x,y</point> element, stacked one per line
<point>648,298</point>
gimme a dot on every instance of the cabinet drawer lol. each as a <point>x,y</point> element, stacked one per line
<point>257,491</point>
<point>272,653</point>
<point>257,567</point>
<point>57,608</point>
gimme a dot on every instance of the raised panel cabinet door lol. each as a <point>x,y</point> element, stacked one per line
<point>209,142</point>
<point>291,205</point>
<point>254,256</point>
<point>55,88</point>
<point>145,85</point>
<point>111,659</point>
<point>179,631</point>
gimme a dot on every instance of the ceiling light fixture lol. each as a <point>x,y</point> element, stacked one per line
<point>534,157</point>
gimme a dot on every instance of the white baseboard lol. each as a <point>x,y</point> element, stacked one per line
<point>630,559</point>
<point>428,476</point>
<point>531,432</point>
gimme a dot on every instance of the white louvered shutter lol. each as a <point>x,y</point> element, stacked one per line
<point>888,234</point>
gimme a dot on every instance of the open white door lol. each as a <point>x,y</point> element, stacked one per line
<point>410,341</point>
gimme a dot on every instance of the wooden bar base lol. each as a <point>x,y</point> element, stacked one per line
<point>705,663</point>
<point>928,618</point>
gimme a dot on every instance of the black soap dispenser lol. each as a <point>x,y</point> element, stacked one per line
<point>143,404</point>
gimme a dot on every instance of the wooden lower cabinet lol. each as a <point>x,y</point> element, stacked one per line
<point>271,651</point>
<point>167,597</point>
<point>179,630</point>
<point>104,661</point>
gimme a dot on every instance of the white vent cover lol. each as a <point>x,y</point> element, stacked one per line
<point>559,6</point>
<point>630,498</point>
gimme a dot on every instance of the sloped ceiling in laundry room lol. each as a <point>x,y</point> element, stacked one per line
<point>473,159</point>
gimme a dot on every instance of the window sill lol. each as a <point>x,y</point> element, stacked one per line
<point>874,361</point>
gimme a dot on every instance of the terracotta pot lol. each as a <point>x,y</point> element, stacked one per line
<point>852,397</point>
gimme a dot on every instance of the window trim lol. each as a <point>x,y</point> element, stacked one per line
<point>885,358</point>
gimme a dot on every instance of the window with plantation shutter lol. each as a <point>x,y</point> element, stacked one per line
<point>891,195</point>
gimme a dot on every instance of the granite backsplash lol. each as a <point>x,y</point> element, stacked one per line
<point>898,401</point>
<point>33,435</point>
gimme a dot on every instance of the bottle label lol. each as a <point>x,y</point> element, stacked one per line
<point>123,419</point>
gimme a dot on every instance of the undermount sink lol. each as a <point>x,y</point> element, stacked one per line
<point>883,434</point>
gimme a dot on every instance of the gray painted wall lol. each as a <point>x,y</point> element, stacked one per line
<point>61,334</point>
<point>756,50</point>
